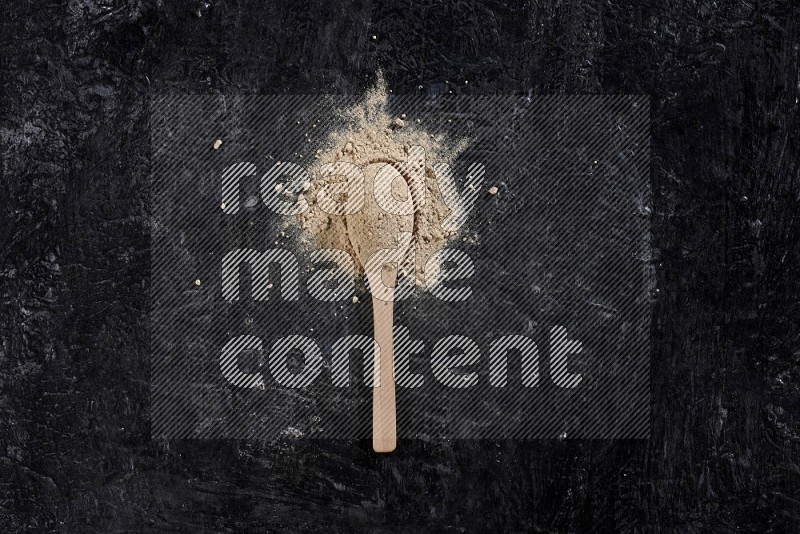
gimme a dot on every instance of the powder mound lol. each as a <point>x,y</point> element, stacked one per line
<point>373,187</point>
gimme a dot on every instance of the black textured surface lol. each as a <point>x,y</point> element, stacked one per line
<point>74,259</point>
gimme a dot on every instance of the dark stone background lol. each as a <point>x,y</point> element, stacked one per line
<point>76,453</point>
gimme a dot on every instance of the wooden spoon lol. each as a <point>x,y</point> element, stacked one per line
<point>382,278</point>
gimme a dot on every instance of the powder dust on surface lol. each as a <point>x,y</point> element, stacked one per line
<point>371,138</point>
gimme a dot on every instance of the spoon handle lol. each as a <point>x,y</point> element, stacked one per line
<point>384,417</point>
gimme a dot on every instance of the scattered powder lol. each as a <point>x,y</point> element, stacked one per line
<point>372,140</point>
